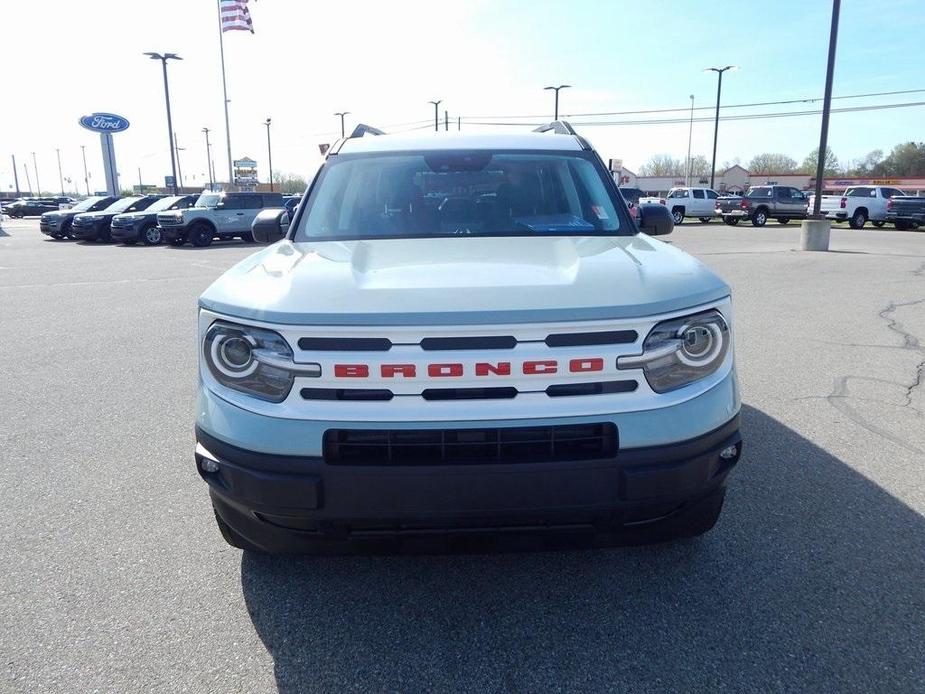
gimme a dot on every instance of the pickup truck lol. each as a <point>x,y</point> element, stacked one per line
<point>215,215</point>
<point>761,203</point>
<point>464,336</point>
<point>687,202</point>
<point>857,205</point>
<point>907,212</point>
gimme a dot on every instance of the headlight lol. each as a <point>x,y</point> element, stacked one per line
<point>682,350</point>
<point>253,360</point>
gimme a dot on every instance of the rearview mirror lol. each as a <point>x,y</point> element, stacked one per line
<point>270,225</point>
<point>655,220</point>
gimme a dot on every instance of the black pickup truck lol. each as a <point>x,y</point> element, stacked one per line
<point>907,212</point>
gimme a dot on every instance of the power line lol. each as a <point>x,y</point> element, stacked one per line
<point>687,109</point>
<point>748,116</point>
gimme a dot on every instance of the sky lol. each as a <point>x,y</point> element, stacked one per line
<point>486,60</point>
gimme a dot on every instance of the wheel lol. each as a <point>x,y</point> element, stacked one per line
<point>677,214</point>
<point>66,231</point>
<point>760,218</point>
<point>705,220</point>
<point>177,241</point>
<point>858,220</point>
<point>231,537</point>
<point>57,235</point>
<point>151,235</point>
<point>104,235</point>
<point>247,238</point>
<point>731,221</point>
<point>878,224</point>
<point>200,234</point>
<point>783,220</point>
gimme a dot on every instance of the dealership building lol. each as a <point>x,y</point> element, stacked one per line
<point>737,179</point>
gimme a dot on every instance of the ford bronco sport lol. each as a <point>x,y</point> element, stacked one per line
<point>463,335</point>
<point>215,216</point>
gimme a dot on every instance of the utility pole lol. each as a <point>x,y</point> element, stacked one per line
<point>719,90</point>
<point>83,151</point>
<point>270,151</point>
<point>179,170</point>
<point>690,134</point>
<point>826,106</point>
<point>436,113</point>
<point>556,90</point>
<point>342,114</point>
<point>28,180</point>
<point>459,122</point>
<point>164,58</point>
<point>15,175</point>
<point>209,160</point>
<point>141,187</point>
<point>60,175</point>
<point>37,184</point>
<point>446,121</point>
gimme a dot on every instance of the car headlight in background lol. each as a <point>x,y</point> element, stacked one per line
<point>680,351</point>
<point>253,360</point>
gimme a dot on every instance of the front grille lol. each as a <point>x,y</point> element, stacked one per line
<point>481,446</point>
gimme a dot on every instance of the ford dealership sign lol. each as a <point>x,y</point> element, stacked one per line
<point>104,123</point>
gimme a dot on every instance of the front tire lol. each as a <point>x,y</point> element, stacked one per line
<point>151,235</point>
<point>200,235</point>
<point>760,218</point>
<point>677,214</point>
<point>858,220</point>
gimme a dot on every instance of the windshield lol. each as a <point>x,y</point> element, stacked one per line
<point>164,203</point>
<point>84,205</point>
<point>121,205</point>
<point>207,199</point>
<point>760,192</point>
<point>447,193</point>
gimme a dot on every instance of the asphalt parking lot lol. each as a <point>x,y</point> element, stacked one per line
<point>115,578</point>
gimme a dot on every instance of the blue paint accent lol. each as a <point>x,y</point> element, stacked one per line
<point>104,123</point>
<point>667,425</point>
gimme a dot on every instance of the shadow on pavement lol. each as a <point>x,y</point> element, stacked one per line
<point>813,580</point>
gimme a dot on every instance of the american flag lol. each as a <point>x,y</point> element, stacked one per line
<point>236,16</point>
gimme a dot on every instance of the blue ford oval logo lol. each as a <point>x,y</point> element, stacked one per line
<point>104,123</point>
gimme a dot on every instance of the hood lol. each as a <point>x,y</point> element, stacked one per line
<point>463,280</point>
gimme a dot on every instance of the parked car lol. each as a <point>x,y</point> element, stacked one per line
<point>131,227</point>
<point>761,203</point>
<point>215,215</point>
<point>857,205</point>
<point>35,207</point>
<point>58,224</point>
<point>688,202</point>
<point>95,226</point>
<point>463,335</point>
<point>907,212</point>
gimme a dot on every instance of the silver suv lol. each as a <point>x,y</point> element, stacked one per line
<point>215,215</point>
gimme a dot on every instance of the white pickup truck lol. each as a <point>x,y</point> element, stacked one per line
<point>687,202</point>
<point>857,205</point>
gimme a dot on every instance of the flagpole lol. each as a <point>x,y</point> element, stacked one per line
<point>221,45</point>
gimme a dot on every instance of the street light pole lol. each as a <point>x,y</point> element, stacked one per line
<point>83,152</point>
<point>436,113</point>
<point>556,90</point>
<point>60,175</point>
<point>15,175</point>
<point>209,160</point>
<point>690,134</point>
<point>342,114</point>
<point>179,170</point>
<point>270,152</point>
<point>36,167</point>
<point>719,88</point>
<point>164,58</point>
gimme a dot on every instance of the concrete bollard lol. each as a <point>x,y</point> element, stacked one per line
<point>814,234</point>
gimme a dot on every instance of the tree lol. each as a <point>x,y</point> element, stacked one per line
<point>830,168</point>
<point>662,165</point>
<point>906,159</point>
<point>700,166</point>
<point>866,165</point>
<point>289,183</point>
<point>772,162</point>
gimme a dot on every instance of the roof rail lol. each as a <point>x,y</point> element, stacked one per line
<point>559,127</point>
<point>363,129</point>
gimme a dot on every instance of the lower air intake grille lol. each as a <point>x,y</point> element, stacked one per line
<point>470,446</point>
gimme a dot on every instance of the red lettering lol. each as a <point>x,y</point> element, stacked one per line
<point>580,365</point>
<point>444,370</point>
<point>393,370</point>
<point>502,368</point>
<point>540,367</point>
<point>351,371</point>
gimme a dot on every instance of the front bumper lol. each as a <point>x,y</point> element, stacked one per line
<point>49,228</point>
<point>123,233</point>
<point>86,232</point>
<point>169,233</point>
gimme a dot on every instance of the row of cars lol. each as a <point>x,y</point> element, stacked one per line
<point>33,207</point>
<point>858,205</point>
<point>154,219</point>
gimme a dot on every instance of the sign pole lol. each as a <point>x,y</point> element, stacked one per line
<point>15,175</point>
<point>221,48</point>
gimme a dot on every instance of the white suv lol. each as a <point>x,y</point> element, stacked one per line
<point>460,335</point>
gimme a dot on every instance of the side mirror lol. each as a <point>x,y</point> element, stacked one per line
<point>270,225</point>
<point>654,220</point>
